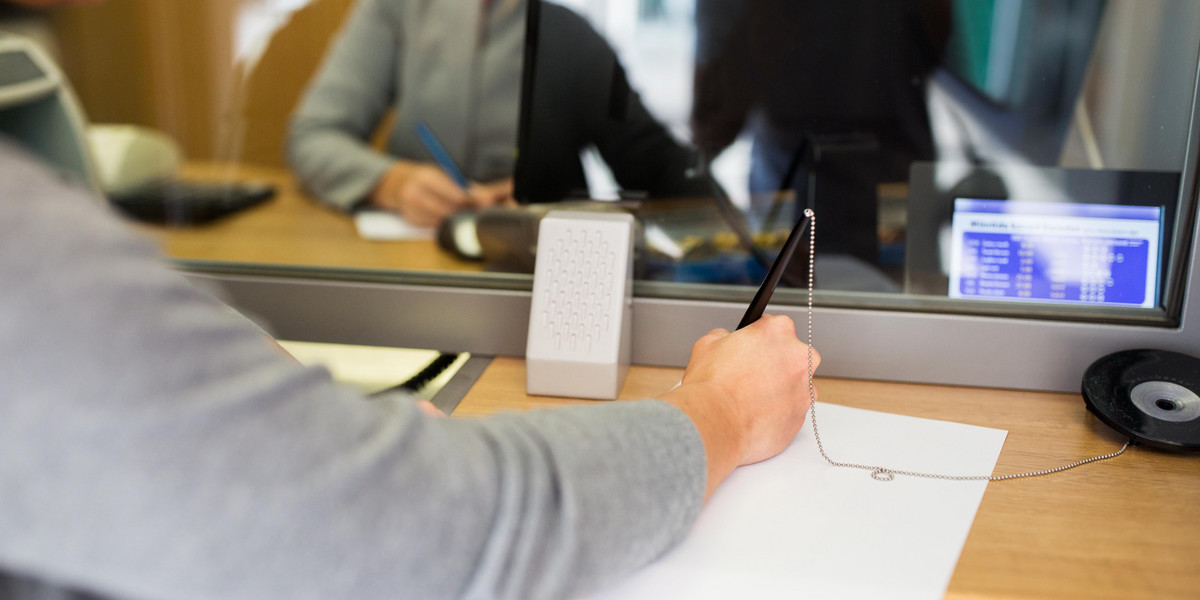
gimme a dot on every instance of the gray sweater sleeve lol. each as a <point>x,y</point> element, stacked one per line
<point>328,136</point>
<point>152,445</point>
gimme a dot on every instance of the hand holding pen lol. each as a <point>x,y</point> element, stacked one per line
<point>748,391</point>
<point>425,193</point>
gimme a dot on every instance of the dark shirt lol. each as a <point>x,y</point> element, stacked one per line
<point>819,67</point>
<point>581,97</point>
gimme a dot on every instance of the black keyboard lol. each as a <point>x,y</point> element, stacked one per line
<point>175,202</point>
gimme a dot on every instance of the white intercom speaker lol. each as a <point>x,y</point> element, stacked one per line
<point>580,314</point>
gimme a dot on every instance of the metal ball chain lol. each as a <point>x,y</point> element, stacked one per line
<point>883,473</point>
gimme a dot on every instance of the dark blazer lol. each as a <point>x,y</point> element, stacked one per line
<point>819,67</point>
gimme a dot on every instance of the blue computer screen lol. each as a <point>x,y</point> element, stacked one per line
<point>1055,252</point>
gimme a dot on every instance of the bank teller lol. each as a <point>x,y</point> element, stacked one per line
<point>455,66</point>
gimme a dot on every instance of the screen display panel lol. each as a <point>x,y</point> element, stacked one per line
<point>1056,252</point>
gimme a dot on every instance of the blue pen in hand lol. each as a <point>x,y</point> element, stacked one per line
<point>435,148</point>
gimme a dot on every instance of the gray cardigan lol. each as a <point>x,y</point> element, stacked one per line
<point>445,62</point>
<point>152,445</point>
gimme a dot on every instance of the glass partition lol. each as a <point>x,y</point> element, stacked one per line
<point>1023,158</point>
<point>961,156</point>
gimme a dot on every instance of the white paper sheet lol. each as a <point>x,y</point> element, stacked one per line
<point>381,225</point>
<point>795,527</point>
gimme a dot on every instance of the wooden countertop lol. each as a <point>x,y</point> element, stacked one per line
<point>292,229</point>
<point>1125,528</point>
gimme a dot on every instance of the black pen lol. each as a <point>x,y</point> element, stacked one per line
<point>775,273</point>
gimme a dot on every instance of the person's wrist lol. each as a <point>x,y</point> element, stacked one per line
<point>718,416</point>
<point>387,192</point>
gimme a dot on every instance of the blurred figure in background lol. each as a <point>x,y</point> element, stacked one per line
<point>581,97</point>
<point>454,65</point>
<point>833,91</point>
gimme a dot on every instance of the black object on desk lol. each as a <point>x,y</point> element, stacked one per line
<point>430,372</point>
<point>175,202</point>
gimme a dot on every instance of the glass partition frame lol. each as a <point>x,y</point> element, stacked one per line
<point>448,312</point>
<point>910,338</point>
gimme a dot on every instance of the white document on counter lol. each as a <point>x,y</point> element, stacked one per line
<point>796,527</point>
<point>382,225</point>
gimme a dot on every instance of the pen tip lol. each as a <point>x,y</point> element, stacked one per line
<point>808,212</point>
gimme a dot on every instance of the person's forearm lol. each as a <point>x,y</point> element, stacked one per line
<point>264,479</point>
<point>327,143</point>
<point>747,393</point>
<point>333,165</point>
<point>718,427</point>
